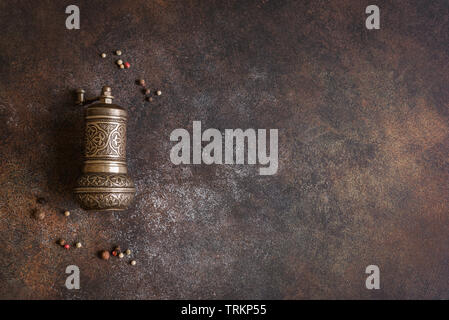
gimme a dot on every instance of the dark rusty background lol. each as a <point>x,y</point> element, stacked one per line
<point>363,149</point>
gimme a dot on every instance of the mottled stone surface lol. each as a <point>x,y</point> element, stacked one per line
<point>363,149</point>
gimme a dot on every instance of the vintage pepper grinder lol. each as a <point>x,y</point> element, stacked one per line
<point>104,184</point>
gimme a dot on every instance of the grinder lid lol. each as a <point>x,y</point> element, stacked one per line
<point>105,108</point>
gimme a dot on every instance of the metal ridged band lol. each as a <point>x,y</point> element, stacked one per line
<point>106,167</point>
<point>106,110</point>
<point>105,190</point>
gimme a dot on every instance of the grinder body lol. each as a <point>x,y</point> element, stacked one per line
<point>105,184</point>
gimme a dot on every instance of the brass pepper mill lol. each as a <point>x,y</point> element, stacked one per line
<point>104,184</point>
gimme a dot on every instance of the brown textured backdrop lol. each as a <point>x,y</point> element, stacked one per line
<point>363,149</point>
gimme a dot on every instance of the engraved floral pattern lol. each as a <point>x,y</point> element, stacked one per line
<point>103,201</point>
<point>105,180</point>
<point>105,139</point>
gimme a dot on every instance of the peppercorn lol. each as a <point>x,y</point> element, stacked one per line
<point>122,66</point>
<point>147,91</point>
<point>67,213</point>
<point>119,62</point>
<point>128,252</point>
<point>114,253</point>
<point>118,52</point>
<point>78,245</point>
<point>105,255</point>
<point>39,214</point>
<point>127,65</point>
<point>121,255</point>
<point>133,262</point>
<point>103,55</point>
<point>149,99</point>
<point>159,92</point>
<point>142,82</point>
<point>67,246</point>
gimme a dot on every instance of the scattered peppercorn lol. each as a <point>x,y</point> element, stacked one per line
<point>103,55</point>
<point>61,242</point>
<point>159,92</point>
<point>142,82</point>
<point>121,255</point>
<point>122,66</point>
<point>119,61</point>
<point>67,213</point>
<point>149,99</point>
<point>127,65</point>
<point>133,262</point>
<point>78,245</point>
<point>114,253</point>
<point>39,214</point>
<point>128,252</point>
<point>147,91</point>
<point>105,255</point>
<point>67,246</point>
<point>118,52</point>
<point>41,200</point>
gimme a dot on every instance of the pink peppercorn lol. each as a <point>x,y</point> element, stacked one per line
<point>67,246</point>
<point>127,65</point>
